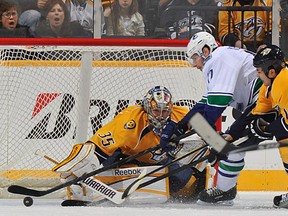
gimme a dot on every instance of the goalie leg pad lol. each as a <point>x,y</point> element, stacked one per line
<point>78,192</point>
<point>81,160</point>
<point>197,183</point>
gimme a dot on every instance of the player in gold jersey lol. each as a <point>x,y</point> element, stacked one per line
<point>273,71</point>
<point>133,130</point>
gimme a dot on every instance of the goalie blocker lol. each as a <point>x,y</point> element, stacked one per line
<point>82,160</point>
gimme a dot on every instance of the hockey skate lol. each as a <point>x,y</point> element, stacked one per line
<point>281,201</point>
<point>216,196</point>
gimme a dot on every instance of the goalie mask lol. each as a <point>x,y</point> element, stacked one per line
<point>269,57</point>
<point>158,105</point>
<point>198,42</point>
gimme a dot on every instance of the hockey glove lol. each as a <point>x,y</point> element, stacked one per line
<point>258,129</point>
<point>171,130</point>
<point>215,156</point>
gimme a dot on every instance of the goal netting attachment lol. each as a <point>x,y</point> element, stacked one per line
<point>56,93</point>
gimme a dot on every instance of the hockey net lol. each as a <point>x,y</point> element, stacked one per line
<point>57,93</point>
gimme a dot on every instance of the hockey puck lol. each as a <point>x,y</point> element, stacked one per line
<point>28,201</point>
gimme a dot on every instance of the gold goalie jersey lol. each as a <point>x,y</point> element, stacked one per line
<point>130,132</point>
<point>249,25</point>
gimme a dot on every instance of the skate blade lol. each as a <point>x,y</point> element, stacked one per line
<point>219,203</point>
<point>281,206</point>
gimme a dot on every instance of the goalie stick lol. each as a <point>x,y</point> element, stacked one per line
<point>216,141</point>
<point>17,189</point>
<point>77,203</point>
<point>109,192</point>
<point>131,188</point>
<point>99,187</point>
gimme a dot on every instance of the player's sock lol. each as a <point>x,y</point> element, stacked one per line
<point>281,201</point>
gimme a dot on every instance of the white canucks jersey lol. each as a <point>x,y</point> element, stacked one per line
<point>230,78</point>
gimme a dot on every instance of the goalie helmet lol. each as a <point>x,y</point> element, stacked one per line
<point>269,57</point>
<point>158,105</point>
<point>198,42</point>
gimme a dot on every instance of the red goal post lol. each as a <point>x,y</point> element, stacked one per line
<point>58,92</point>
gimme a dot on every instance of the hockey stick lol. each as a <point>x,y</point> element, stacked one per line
<point>261,146</point>
<point>109,192</point>
<point>42,154</point>
<point>204,129</point>
<point>137,183</point>
<point>17,189</point>
<point>131,187</point>
<point>99,187</point>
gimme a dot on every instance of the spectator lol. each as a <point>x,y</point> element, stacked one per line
<point>31,12</point>
<point>9,26</point>
<point>233,37</point>
<point>184,23</point>
<point>162,5</point>
<point>123,18</point>
<point>57,23</point>
<point>82,12</point>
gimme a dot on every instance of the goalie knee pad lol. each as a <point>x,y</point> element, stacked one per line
<point>81,160</point>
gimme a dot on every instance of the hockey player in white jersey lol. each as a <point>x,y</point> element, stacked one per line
<point>230,81</point>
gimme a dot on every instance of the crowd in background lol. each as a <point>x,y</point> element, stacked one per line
<point>173,19</point>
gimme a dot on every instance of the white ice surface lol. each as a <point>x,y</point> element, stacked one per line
<point>246,204</point>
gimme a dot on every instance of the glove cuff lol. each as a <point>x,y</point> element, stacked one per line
<point>182,125</point>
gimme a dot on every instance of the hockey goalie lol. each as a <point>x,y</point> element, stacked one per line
<point>133,130</point>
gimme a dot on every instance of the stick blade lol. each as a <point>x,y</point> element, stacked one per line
<point>16,189</point>
<point>262,146</point>
<point>204,129</point>
<point>76,203</point>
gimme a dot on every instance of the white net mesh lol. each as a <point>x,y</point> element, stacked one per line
<point>43,91</point>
